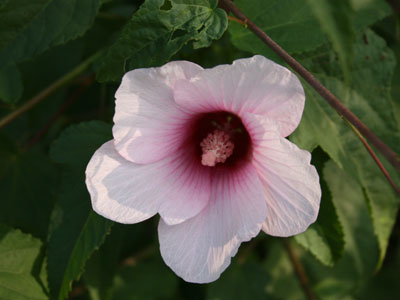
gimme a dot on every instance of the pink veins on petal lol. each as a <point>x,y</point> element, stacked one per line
<point>206,150</point>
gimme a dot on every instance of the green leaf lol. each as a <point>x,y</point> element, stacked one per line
<point>369,12</point>
<point>385,284</point>
<point>395,89</point>
<point>369,98</point>
<point>76,145</point>
<point>26,183</point>
<point>292,24</point>
<point>15,15</point>
<point>102,268</point>
<point>288,22</point>
<point>76,230</point>
<point>45,26</point>
<point>240,282</point>
<point>20,257</point>
<point>320,125</point>
<point>153,35</point>
<point>357,263</point>
<point>315,241</point>
<point>214,27</point>
<point>335,18</point>
<point>10,84</point>
<point>282,283</point>
<point>325,238</point>
<point>146,280</point>
<point>361,253</point>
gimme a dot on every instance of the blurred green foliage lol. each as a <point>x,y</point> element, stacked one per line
<point>53,246</point>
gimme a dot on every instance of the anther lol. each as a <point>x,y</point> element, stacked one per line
<point>216,148</point>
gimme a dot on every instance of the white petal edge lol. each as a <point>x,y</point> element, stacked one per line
<point>200,249</point>
<point>148,123</point>
<point>291,184</point>
<point>130,193</point>
<point>254,85</point>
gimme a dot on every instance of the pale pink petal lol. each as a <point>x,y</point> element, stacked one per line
<point>254,85</point>
<point>291,184</point>
<point>148,123</point>
<point>177,187</point>
<point>200,249</point>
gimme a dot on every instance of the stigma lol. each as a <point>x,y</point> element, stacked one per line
<point>216,148</point>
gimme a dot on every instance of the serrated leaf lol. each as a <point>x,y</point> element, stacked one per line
<point>361,249</point>
<point>76,230</point>
<point>369,98</point>
<point>314,241</point>
<point>349,198</point>
<point>10,84</point>
<point>372,70</point>
<point>214,27</point>
<point>55,23</point>
<point>361,252</point>
<point>325,238</point>
<point>336,18</point>
<point>19,254</point>
<point>153,35</point>
<point>15,15</point>
<point>292,24</point>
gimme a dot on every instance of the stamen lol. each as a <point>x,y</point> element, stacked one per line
<point>216,148</point>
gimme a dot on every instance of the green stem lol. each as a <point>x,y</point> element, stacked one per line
<point>49,90</point>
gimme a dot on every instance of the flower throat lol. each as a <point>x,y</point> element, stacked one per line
<point>221,138</point>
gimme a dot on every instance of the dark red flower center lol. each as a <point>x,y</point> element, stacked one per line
<point>220,139</point>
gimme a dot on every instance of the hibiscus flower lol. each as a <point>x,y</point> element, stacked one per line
<point>206,150</point>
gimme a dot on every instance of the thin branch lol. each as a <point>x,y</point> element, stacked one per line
<point>237,21</point>
<point>298,268</point>
<point>48,91</point>
<point>141,255</point>
<point>395,5</point>
<point>84,85</point>
<point>390,155</point>
<point>376,159</point>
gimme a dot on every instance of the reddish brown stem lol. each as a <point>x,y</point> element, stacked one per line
<point>376,159</point>
<point>298,268</point>
<point>334,102</point>
<point>237,20</point>
<point>143,254</point>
